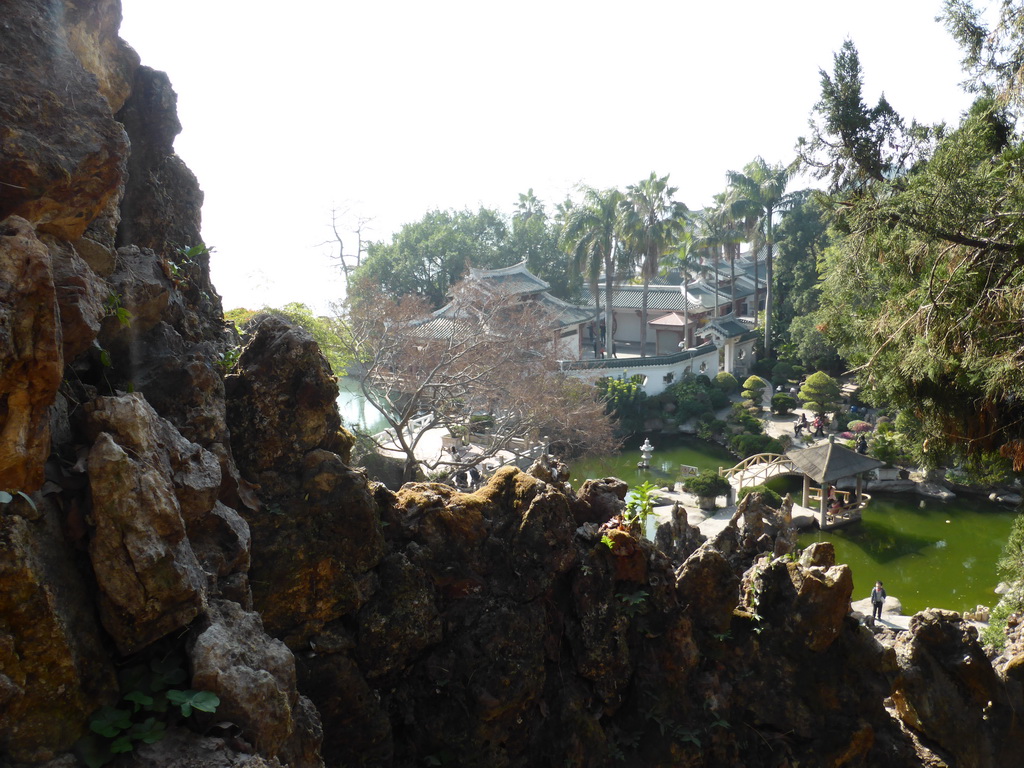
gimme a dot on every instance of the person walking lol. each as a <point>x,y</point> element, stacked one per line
<point>877,601</point>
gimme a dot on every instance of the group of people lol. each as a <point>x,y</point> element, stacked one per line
<point>819,424</point>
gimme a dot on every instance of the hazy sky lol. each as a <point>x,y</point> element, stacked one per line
<point>386,110</point>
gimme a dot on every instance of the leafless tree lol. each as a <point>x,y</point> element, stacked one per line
<point>486,360</point>
<point>347,262</point>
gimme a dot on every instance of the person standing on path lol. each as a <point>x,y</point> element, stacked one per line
<point>877,600</point>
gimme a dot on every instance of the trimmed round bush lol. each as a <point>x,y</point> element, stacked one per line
<point>707,484</point>
<point>727,383</point>
<point>783,403</point>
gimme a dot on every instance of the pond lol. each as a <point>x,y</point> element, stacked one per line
<point>356,413</point>
<point>669,452</point>
<point>928,553</point>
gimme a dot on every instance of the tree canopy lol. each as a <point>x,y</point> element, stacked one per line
<point>923,287</point>
<point>426,258</point>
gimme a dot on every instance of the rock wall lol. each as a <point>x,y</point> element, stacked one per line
<point>176,527</point>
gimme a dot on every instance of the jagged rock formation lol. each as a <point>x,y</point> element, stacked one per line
<point>181,527</point>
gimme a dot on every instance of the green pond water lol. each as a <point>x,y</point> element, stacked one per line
<point>928,553</point>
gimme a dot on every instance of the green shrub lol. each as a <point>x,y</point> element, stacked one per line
<point>707,484</point>
<point>726,382</point>
<point>1011,569</point>
<point>783,373</point>
<point>748,445</point>
<point>718,398</point>
<point>884,447</point>
<point>782,403</point>
<point>742,418</point>
<point>693,396</point>
<point>753,389</point>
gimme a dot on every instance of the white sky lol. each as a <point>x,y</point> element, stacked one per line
<point>387,109</point>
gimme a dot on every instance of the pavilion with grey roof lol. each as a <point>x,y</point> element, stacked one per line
<point>825,464</point>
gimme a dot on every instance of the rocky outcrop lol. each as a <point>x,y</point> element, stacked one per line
<point>30,347</point>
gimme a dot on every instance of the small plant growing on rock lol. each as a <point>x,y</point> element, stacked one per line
<point>114,309</point>
<point>150,701</point>
<point>640,506</point>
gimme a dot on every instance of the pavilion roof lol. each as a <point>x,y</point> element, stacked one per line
<point>659,298</point>
<point>827,462</point>
<point>671,320</point>
<point>728,327</point>
<point>516,279</point>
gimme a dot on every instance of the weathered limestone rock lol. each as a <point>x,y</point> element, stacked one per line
<point>91,29</point>
<point>254,677</point>
<point>31,364</point>
<point>281,401</point>
<point>676,537</point>
<point>162,201</point>
<point>948,692</point>
<point>62,154</point>
<point>150,580</point>
<point>54,669</point>
<point>598,501</point>
<point>182,748</point>
<point>707,585</point>
<point>812,602</point>
<point>400,620</point>
<point>316,550</point>
<point>358,728</point>
<point>81,297</point>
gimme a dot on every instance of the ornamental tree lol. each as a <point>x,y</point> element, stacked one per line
<point>820,393</point>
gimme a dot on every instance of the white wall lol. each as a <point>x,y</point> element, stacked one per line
<point>654,375</point>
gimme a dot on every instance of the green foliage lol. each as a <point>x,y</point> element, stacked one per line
<point>428,257</point>
<point>771,498</point>
<point>640,504</point>
<point>783,403</point>
<point>727,383</point>
<point>748,445</point>
<point>1011,568</point>
<point>226,360</point>
<point>753,387</point>
<point>782,373</point>
<point>114,309</point>
<point>149,703</point>
<point>622,396</point>
<point>820,393</point>
<point>239,316</point>
<point>810,344</point>
<point>186,701</point>
<point>885,447</point>
<point>709,427</point>
<point>801,237</point>
<point>922,286</point>
<point>632,601</point>
<point>696,395</point>
<point>745,421</point>
<point>707,484</point>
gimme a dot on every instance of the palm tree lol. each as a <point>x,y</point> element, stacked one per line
<point>714,230</point>
<point>759,193</point>
<point>591,237</point>
<point>651,224</point>
<point>684,258</point>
